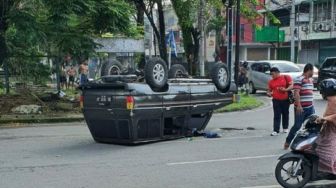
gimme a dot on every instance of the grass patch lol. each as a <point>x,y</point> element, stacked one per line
<point>247,102</point>
<point>71,93</point>
<point>11,91</point>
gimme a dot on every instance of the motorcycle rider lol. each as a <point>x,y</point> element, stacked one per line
<point>326,143</point>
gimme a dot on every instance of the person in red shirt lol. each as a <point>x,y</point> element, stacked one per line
<point>278,88</point>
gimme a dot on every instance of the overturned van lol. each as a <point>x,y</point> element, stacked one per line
<point>119,109</point>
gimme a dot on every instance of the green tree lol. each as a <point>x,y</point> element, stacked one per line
<point>35,28</point>
<point>187,12</point>
<point>19,30</point>
<point>74,23</point>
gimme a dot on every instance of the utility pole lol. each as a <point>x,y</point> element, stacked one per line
<point>292,28</point>
<point>236,67</point>
<point>229,35</point>
<point>201,40</point>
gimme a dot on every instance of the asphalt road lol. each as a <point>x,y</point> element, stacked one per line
<point>63,155</point>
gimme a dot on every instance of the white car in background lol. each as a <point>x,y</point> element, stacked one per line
<point>259,72</point>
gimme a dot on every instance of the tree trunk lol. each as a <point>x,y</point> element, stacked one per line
<point>158,33</point>
<point>163,49</point>
<point>4,51</point>
<point>58,74</point>
<point>140,15</point>
<point>196,47</point>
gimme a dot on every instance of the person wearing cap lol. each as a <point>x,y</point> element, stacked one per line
<point>304,96</point>
<point>278,88</point>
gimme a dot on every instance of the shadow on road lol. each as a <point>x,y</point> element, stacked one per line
<point>322,186</point>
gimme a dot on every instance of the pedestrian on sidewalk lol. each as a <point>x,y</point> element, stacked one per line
<point>243,77</point>
<point>303,106</point>
<point>71,73</point>
<point>84,71</point>
<point>63,80</point>
<point>278,88</point>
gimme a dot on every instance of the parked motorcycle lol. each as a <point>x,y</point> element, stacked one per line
<point>300,166</point>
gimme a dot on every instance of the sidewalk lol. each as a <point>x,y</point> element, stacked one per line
<point>40,118</point>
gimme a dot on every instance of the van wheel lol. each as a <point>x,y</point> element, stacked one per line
<point>156,74</point>
<point>252,90</point>
<point>177,71</point>
<point>112,67</point>
<point>221,77</point>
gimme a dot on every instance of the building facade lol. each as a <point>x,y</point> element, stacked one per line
<point>250,48</point>
<point>315,29</point>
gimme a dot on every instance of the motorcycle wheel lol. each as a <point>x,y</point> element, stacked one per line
<point>284,173</point>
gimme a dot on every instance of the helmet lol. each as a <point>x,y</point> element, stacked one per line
<point>328,87</point>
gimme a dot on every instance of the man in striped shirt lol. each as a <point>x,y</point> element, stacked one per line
<point>303,93</point>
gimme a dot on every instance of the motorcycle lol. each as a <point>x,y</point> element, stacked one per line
<point>300,166</point>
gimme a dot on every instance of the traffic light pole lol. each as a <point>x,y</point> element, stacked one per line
<point>229,24</point>
<point>229,35</point>
<point>292,28</point>
<point>236,67</point>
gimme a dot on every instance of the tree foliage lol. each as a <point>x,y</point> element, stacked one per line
<point>187,12</point>
<point>30,29</point>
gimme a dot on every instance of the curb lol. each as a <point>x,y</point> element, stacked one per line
<point>5,120</point>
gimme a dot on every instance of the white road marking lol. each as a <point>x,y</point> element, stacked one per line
<point>318,183</point>
<point>221,160</point>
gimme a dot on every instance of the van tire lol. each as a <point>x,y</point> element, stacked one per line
<point>111,67</point>
<point>220,75</point>
<point>156,74</point>
<point>177,71</point>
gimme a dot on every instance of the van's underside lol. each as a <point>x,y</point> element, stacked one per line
<point>152,116</point>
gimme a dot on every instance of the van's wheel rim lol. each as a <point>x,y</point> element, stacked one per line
<point>222,76</point>
<point>159,73</point>
<point>114,70</point>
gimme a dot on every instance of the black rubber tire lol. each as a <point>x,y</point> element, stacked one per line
<point>177,71</point>
<point>282,182</point>
<point>221,77</point>
<point>159,80</point>
<point>252,90</point>
<point>111,67</point>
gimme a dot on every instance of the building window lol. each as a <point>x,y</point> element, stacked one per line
<point>242,32</point>
<point>322,11</point>
<point>284,17</point>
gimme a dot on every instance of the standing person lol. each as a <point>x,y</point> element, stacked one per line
<point>63,79</point>
<point>71,73</point>
<point>303,106</point>
<point>278,88</point>
<point>242,77</point>
<point>84,70</point>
